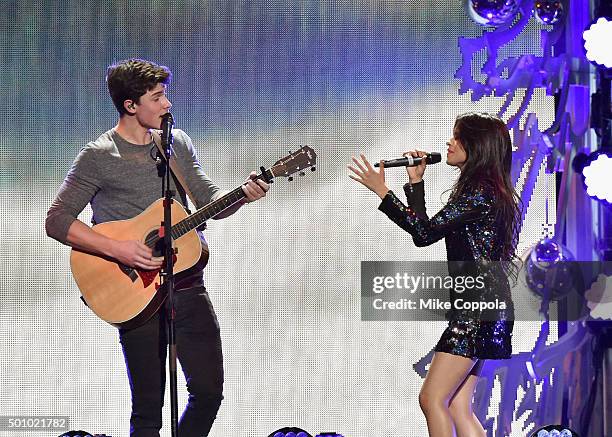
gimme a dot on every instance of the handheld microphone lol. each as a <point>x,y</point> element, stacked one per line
<point>166,127</point>
<point>410,161</point>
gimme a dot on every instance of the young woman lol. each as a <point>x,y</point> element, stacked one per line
<point>480,223</point>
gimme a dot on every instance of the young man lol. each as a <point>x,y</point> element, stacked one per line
<point>117,174</point>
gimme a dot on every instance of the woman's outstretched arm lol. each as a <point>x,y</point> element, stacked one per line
<point>426,231</point>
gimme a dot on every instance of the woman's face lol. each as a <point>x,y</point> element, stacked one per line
<point>456,155</point>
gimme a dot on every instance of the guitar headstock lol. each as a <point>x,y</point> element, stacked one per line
<point>295,162</point>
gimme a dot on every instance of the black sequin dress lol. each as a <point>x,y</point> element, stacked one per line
<point>472,234</point>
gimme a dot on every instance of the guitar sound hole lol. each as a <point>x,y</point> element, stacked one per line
<point>158,248</point>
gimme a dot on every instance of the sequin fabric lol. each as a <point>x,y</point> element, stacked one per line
<point>472,236</point>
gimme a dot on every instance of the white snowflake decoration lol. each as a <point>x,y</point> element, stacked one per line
<point>598,178</point>
<point>597,42</point>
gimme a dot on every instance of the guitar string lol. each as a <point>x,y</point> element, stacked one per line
<point>195,219</point>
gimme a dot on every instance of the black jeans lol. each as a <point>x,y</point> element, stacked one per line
<point>198,347</point>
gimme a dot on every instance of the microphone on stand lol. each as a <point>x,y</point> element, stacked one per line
<point>410,161</point>
<point>166,127</point>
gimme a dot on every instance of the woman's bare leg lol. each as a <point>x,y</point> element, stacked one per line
<point>460,407</point>
<point>445,375</point>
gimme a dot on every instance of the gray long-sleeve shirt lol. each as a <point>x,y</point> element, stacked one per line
<point>120,180</point>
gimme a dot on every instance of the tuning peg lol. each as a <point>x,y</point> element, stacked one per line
<point>290,178</point>
<point>302,173</point>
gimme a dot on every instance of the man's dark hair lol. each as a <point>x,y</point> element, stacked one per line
<point>132,78</point>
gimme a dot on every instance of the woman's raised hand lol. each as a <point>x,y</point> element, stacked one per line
<point>366,175</point>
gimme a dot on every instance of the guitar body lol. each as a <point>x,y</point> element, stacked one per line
<point>127,297</point>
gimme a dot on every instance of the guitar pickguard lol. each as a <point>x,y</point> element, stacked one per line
<point>148,276</point>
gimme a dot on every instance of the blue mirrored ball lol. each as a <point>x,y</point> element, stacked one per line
<point>492,12</point>
<point>548,11</point>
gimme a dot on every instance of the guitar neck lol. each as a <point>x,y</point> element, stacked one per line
<point>295,162</point>
<point>212,209</point>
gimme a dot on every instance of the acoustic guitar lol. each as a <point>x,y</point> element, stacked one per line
<point>126,296</point>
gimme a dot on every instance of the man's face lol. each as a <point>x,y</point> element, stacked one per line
<point>152,106</point>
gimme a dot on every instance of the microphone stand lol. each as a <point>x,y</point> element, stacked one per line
<point>167,272</point>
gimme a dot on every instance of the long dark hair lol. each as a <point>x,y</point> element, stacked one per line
<point>488,147</point>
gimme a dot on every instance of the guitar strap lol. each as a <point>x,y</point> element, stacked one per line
<point>174,168</point>
<point>181,185</point>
